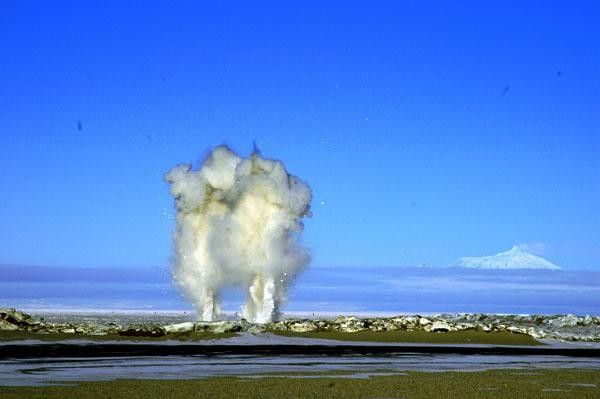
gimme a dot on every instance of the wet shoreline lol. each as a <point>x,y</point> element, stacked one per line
<point>57,371</point>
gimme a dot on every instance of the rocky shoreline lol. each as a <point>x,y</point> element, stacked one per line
<point>555,327</point>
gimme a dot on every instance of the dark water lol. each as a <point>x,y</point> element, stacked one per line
<point>318,290</point>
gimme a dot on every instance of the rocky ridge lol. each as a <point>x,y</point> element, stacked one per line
<point>557,327</point>
<point>15,320</point>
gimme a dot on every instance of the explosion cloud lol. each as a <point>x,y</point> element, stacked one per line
<point>238,223</point>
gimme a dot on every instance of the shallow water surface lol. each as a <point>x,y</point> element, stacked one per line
<point>50,371</point>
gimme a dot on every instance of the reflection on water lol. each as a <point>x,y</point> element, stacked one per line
<point>49,371</point>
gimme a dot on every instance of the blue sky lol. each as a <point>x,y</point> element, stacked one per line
<point>427,131</point>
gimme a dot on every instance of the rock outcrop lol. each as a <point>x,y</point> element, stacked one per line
<point>558,327</point>
<point>13,320</point>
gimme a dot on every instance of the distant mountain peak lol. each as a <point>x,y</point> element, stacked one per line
<point>514,258</point>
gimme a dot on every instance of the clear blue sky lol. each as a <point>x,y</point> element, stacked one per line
<point>427,131</point>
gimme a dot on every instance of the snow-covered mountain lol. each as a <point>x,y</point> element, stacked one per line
<point>515,258</point>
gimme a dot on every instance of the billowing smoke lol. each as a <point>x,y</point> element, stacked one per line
<point>238,223</point>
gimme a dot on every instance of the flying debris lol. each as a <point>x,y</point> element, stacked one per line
<point>255,149</point>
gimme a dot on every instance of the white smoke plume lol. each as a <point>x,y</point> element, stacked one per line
<point>238,223</point>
